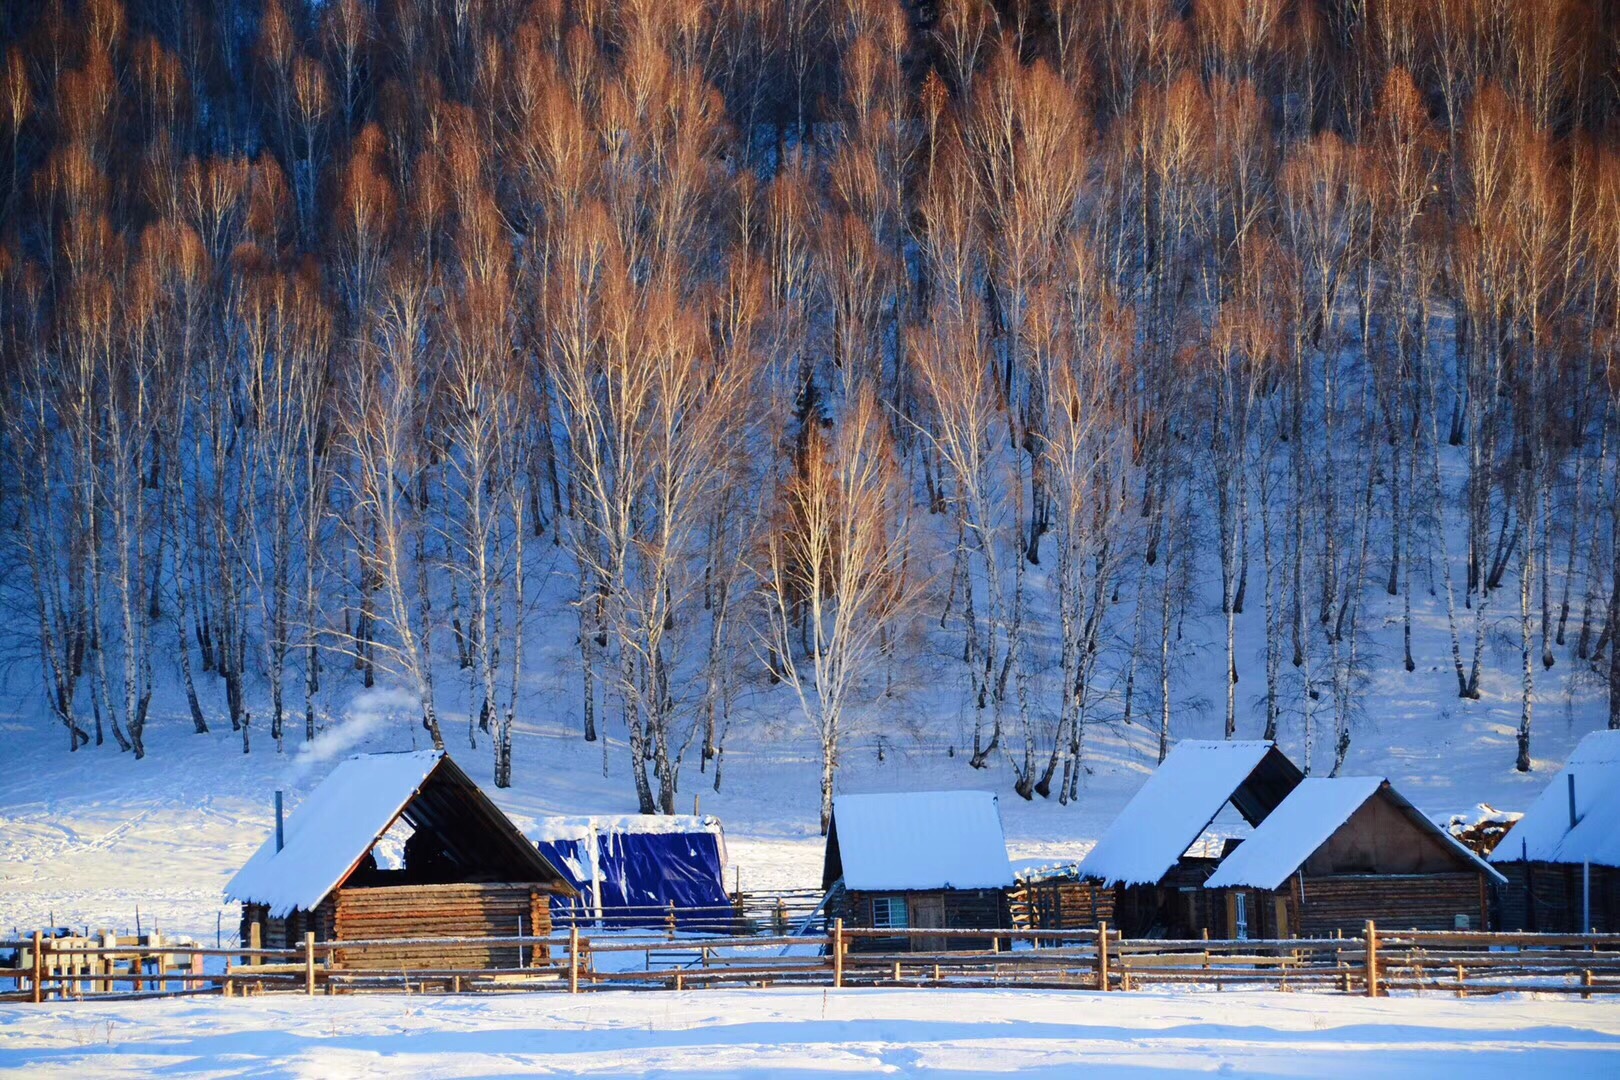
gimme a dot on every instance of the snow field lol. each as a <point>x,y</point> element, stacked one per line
<point>810,1034</point>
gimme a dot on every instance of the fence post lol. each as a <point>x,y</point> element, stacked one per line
<point>255,941</point>
<point>1372,959</point>
<point>309,963</point>
<point>39,967</point>
<point>1102,955</point>
<point>573,959</point>
<point>838,953</point>
<point>669,921</point>
<point>1586,982</point>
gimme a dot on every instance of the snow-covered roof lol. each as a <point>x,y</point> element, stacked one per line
<point>1179,801</point>
<point>339,821</point>
<point>917,840</point>
<point>553,829</point>
<point>1305,821</point>
<point>1544,833</point>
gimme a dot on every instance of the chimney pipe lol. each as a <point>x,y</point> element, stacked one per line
<point>1572,817</point>
<point>279,833</point>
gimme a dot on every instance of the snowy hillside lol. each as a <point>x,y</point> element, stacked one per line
<point>86,838</point>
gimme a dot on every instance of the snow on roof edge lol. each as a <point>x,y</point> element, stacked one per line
<point>355,804</point>
<point>1302,822</point>
<point>1306,819</point>
<point>1172,809</point>
<point>555,827</point>
<point>1544,834</point>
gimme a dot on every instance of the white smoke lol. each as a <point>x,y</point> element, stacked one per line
<point>368,712</point>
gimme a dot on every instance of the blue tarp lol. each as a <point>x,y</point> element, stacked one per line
<point>637,875</point>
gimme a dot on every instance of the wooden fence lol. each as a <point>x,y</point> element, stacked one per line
<point>776,913</point>
<point>1372,963</point>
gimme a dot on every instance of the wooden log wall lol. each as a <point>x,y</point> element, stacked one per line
<point>976,909</point>
<point>856,911</point>
<point>1343,904</point>
<point>441,911</point>
<point>963,909</point>
<point>288,932</point>
<point>1546,897</point>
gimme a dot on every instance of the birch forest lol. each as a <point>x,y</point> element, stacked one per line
<point>791,350</point>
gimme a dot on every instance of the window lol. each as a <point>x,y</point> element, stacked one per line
<point>1240,930</point>
<point>890,912</point>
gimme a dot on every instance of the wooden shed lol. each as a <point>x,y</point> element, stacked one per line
<point>1562,859</point>
<point>1338,852</point>
<point>1160,849</point>
<point>464,869</point>
<point>921,860</point>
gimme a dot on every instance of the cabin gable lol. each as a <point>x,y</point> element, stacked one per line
<point>1382,838</point>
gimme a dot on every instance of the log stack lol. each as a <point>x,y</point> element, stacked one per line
<point>1061,904</point>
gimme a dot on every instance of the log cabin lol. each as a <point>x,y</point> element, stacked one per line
<point>919,860</point>
<point>1562,858</point>
<point>1338,852</point>
<point>465,871</point>
<point>1157,853</point>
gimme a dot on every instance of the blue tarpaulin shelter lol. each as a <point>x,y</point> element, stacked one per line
<point>629,869</point>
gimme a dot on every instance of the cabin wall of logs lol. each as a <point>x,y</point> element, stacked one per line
<point>1553,897</point>
<point>287,931</point>
<point>405,912</point>
<point>1342,904</point>
<point>947,909</point>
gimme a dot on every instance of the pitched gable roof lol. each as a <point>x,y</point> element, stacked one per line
<point>1179,801</point>
<point>1306,820</point>
<point>1544,833</point>
<point>917,840</point>
<point>339,821</point>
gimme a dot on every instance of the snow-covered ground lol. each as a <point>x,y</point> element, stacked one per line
<point>808,1034</point>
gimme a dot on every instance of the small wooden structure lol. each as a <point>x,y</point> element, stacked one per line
<point>467,871</point>
<point>920,860</point>
<point>1562,859</point>
<point>1155,856</point>
<point>1059,897</point>
<point>1481,831</point>
<point>1339,852</point>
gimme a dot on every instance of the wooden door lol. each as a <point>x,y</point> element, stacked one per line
<point>928,913</point>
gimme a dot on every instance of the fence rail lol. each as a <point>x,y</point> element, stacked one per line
<point>745,913</point>
<point>1371,963</point>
